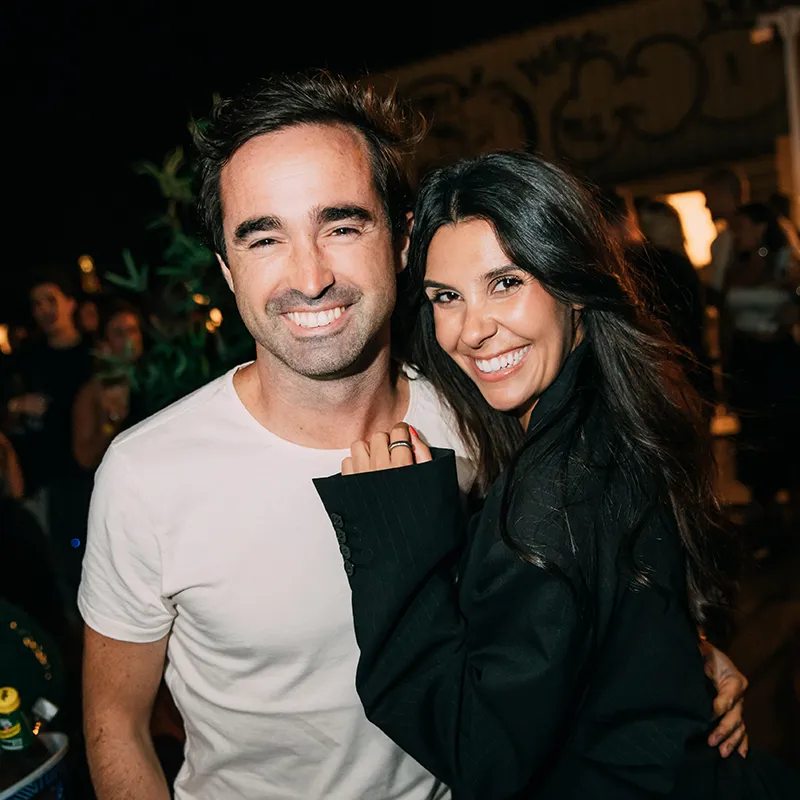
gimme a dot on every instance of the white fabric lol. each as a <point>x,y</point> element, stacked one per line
<point>206,526</point>
<point>722,252</point>
<point>759,309</point>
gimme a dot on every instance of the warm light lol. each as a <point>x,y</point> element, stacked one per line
<point>5,345</point>
<point>201,299</point>
<point>86,263</point>
<point>210,326</point>
<point>698,227</point>
<point>762,34</point>
<point>215,315</point>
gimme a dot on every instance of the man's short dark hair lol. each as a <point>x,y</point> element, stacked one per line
<point>54,275</point>
<point>389,127</point>
<point>729,181</point>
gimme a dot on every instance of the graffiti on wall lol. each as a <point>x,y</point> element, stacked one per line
<point>652,93</point>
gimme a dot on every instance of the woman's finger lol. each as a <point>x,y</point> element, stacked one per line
<point>360,457</point>
<point>402,451</point>
<point>347,466</point>
<point>379,457</point>
<point>422,452</point>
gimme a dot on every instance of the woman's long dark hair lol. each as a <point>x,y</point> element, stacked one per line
<point>548,225</point>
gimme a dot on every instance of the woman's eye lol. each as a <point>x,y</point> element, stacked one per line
<point>507,283</point>
<point>443,298</point>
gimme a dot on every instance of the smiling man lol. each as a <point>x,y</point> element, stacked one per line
<point>208,546</point>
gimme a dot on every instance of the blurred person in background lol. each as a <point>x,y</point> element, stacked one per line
<point>107,404</point>
<point>764,360</point>
<point>724,191</point>
<point>88,317</point>
<point>672,286</point>
<point>12,483</point>
<point>780,205</point>
<point>661,225</point>
<point>46,378</point>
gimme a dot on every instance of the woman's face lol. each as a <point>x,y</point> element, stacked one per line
<point>494,320</point>
<point>747,234</point>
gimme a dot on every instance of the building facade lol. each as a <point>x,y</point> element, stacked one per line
<point>646,95</point>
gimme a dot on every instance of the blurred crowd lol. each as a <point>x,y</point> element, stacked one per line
<point>66,390</point>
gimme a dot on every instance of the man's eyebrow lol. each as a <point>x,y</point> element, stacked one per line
<point>244,229</point>
<point>340,213</point>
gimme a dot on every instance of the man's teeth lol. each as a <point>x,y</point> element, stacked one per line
<point>503,361</point>
<point>318,319</point>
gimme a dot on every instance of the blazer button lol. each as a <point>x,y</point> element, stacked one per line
<point>337,521</point>
<point>345,551</point>
<point>349,568</point>
<point>341,537</point>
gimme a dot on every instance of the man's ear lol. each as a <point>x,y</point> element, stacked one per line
<point>226,272</point>
<point>403,258</point>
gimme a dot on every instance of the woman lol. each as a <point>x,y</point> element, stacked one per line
<point>551,650</point>
<point>764,359</point>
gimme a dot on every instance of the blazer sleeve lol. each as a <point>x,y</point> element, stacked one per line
<point>477,683</point>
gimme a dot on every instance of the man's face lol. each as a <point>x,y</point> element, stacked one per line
<point>310,255</point>
<point>51,308</point>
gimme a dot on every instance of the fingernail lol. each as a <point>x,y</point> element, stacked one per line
<point>714,740</point>
<point>413,431</point>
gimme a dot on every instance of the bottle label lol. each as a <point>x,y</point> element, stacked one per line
<point>13,735</point>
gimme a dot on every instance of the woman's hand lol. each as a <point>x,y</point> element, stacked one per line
<point>401,447</point>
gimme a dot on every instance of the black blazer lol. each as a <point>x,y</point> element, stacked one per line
<point>506,679</point>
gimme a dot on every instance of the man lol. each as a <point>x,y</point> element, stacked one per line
<point>207,543</point>
<point>46,378</point>
<point>725,192</point>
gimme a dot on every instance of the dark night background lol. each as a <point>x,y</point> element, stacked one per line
<point>92,88</point>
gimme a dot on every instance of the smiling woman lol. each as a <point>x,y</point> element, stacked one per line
<point>564,661</point>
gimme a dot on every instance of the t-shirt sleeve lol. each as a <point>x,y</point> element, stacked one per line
<point>120,594</point>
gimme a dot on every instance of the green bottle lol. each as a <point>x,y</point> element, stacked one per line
<point>20,751</point>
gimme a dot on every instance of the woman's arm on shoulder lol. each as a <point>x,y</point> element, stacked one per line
<point>475,679</point>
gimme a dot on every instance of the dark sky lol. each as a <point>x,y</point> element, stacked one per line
<point>90,89</point>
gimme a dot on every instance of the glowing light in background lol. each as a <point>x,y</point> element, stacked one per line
<point>5,345</point>
<point>215,315</point>
<point>86,263</point>
<point>201,299</point>
<point>698,227</point>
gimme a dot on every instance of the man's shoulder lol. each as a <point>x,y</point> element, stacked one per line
<point>181,421</point>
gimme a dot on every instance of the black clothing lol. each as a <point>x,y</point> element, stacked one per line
<point>45,446</point>
<point>514,680</point>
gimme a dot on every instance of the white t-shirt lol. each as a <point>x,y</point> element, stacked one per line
<point>722,251</point>
<point>206,526</point>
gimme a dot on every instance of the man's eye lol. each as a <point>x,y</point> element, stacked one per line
<point>260,243</point>
<point>344,231</point>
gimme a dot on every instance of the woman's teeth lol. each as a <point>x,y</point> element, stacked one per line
<point>318,319</point>
<point>503,361</point>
